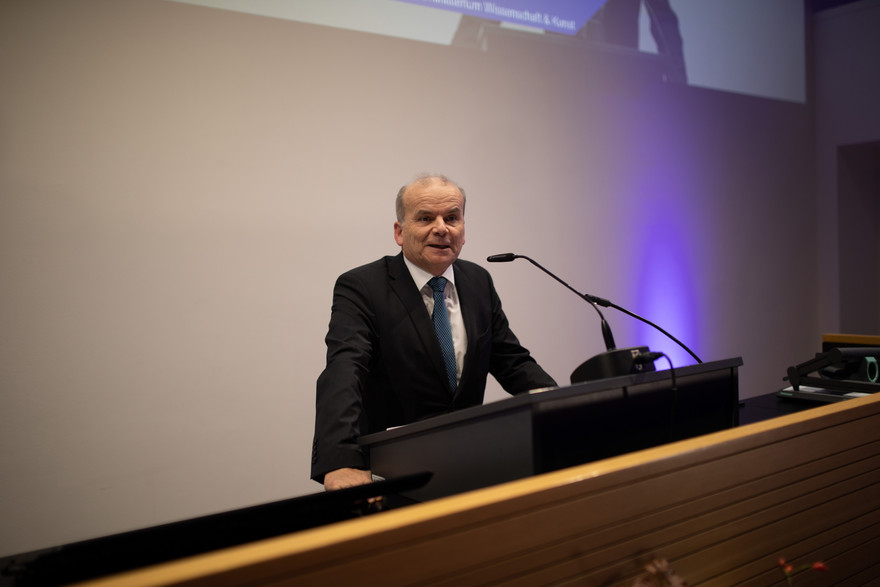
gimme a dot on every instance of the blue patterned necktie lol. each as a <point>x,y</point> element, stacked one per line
<point>440,318</point>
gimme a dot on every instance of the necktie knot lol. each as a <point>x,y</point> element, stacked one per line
<point>438,284</point>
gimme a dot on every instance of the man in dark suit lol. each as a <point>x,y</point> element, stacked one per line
<point>385,365</point>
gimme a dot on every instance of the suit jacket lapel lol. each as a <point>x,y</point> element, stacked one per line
<point>465,290</point>
<point>403,286</point>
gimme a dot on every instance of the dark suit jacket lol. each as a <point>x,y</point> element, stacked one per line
<point>384,364</point>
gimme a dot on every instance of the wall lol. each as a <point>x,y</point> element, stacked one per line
<point>847,91</point>
<point>180,186</point>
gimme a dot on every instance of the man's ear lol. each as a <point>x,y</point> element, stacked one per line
<point>398,233</point>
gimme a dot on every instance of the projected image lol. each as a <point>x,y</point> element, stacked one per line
<point>610,22</point>
<point>561,16</point>
<point>751,47</point>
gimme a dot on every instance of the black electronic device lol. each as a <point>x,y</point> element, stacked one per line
<point>834,375</point>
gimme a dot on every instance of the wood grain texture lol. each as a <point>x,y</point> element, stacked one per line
<point>722,508</point>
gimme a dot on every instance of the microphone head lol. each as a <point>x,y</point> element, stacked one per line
<point>502,258</point>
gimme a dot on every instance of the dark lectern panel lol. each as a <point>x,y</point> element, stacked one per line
<point>486,450</point>
<point>619,420</point>
<point>557,428</point>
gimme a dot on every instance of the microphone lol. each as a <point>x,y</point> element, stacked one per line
<point>502,258</point>
<point>599,365</point>
<point>596,302</point>
<point>508,257</point>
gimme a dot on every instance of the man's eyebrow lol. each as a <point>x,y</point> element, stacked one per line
<point>455,210</point>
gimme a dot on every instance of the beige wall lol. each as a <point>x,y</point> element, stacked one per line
<point>180,186</point>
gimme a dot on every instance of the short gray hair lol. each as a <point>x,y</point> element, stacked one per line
<point>425,178</point>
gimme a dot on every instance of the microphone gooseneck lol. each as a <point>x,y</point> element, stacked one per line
<point>596,302</point>
<point>606,329</point>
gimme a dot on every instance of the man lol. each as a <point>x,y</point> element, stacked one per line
<point>385,362</point>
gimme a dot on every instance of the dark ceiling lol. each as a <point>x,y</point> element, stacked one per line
<point>819,5</point>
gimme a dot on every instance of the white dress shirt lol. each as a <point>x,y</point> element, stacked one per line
<point>453,307</point>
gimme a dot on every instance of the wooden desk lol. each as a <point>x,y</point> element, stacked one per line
<point>831,340</point>
<point>722,508</point>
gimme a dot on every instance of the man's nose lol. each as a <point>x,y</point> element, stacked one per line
<point>439,226</point>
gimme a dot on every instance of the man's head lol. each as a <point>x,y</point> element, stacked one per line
<point>430,222</point>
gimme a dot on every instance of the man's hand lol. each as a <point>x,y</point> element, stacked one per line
<point>342,478</point>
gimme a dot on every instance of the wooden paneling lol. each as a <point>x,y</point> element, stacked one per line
<point>851,339</point>
<point>721,508</point>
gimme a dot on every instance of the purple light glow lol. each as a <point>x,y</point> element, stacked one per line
<point>665,227</point>
<point>665,294</point>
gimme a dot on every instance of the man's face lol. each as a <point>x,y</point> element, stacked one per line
<point>432,231</point>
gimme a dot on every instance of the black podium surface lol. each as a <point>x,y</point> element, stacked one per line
<point>107,555</point>
<point>770,405</point>
<point>551,429</point>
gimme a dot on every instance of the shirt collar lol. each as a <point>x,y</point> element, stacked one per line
<point>421,277</point>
